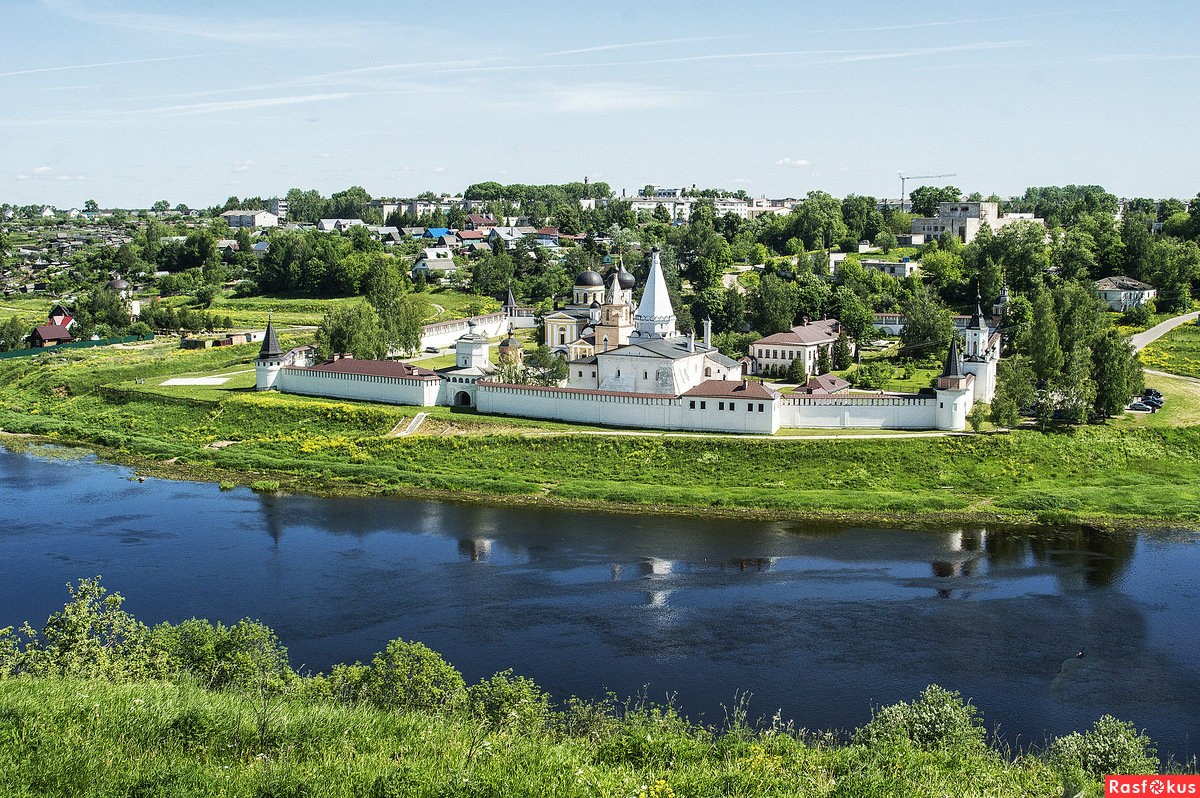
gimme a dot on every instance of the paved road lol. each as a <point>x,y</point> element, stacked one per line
<point>1157,331</point>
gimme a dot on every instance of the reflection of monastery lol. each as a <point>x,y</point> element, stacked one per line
<point>630,367</point>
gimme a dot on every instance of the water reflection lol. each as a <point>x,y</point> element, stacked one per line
<point>822,622</point>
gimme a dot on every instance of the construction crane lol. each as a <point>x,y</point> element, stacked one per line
<point>903,177</point>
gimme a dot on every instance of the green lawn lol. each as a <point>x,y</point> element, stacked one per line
<point>1177,352</point>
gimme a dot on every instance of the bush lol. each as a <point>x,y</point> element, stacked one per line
<point>938,720</point>
<point>507,700</point>
<point>1112,747</point>
<point>1137,316</point>
<point>242,656</point>
<point>403,676</point>
<point>264,486</point>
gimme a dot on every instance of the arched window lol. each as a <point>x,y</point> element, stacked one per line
<point>708,372</point>
<point>562,337</point>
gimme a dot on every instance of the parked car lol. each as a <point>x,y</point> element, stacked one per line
<point>1145,408</point>
<point>433,350</point>
<point>1157,394</point>
<point>1153,401</point>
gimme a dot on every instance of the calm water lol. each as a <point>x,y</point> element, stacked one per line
<point>821,623</point>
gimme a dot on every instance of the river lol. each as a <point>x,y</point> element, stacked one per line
<point>817,621</point>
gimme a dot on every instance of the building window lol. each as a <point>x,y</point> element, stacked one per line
<point>692,405</point>
<point>720,405</point>
<point>702,405</point>
<point>708,372</point>
<point>618,372</point>
<point>581,374</point>
<point>645,375</point>
<point>749,407</point>
<point>760,408</point>
<point>731,405</point>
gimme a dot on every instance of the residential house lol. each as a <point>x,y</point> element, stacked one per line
<point>824,385</point>
<point>252,219</point>
<point>49,335</point>
<point>435,262</point>
<point>331,225</point>
<point>480,221</point>
<point>1123,293</point>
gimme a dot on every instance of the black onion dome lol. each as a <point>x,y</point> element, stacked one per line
<point>588,278</point>
<point>625,279</point>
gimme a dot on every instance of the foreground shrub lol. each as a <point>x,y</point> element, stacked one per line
<point>937,720</point>
<point>1111,747</point>
<point>403,676</point>
<point>247,654</point>
<point>507,700</point>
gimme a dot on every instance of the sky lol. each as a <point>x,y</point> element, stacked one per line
<point>128,102</point>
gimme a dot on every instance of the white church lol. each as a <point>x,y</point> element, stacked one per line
<point>629,366</point>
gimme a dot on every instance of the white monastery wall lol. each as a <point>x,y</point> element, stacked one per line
<point>392,390</point>
<point>445,333</point>
<point>859,412</point>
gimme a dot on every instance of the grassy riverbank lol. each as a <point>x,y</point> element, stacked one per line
<point>1123,472</point>
<point>97,704</point>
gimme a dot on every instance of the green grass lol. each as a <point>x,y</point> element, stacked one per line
<point>895,256</point>
<point>33,308</point>
<point>1177,352</point>
<point>1146,467</point>
<point>69,737</point>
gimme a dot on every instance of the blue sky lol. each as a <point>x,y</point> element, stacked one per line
<point>128,102</point>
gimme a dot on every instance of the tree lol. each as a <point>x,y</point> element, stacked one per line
<point>661,214</point>
<point>1017,320</point>
<point>925,199</point>
<point>1021,245</point>
<point>90,206</point>
<point>841,352</point>
<point>823,360</point>
<point>885,240</point>
<point>1074,390</point>
<point>13,332</point>
<point>543,367</point>
<point>1043,348</point>
<point>942,268</point>
<point>1014,391</point>
<point>161,206</point>
<point>351,329</point>
<point>1116,370</point>
<point>796,372</point>
<point>400,314</point>
<point>774,304</point>
<point>854,315</point>
<point>928,325</point>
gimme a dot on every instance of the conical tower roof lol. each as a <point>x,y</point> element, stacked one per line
<point>655,317</point>
<point>270,345</point>
<point>976,322</point>
<point>953,367</point>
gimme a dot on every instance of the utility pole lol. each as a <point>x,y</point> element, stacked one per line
<point>904,177</point>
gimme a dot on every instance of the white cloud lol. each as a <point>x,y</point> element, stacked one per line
<point>241,166</point>
<point>439,169</point>
<point>651,43</point>
<point>94,66</point>
<point>41,170</point>
<point>792,162</point>
<point>22,177</point>
<point>605,98</point>
<point>741,181</point>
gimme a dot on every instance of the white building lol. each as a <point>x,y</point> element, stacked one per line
<point>251,219</point>
<point>1123,293</point>
<point>963,220</point>
<point>775,353</point>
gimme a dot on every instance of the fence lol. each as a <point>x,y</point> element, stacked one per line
<point>123,339</point>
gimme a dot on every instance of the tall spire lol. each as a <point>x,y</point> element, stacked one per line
<point>270,345</point>
<point>976,322</point>
<point>953,367</point>
<point>655,318</point>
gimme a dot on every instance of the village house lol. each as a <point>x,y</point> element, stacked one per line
<point>1124,293</point>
